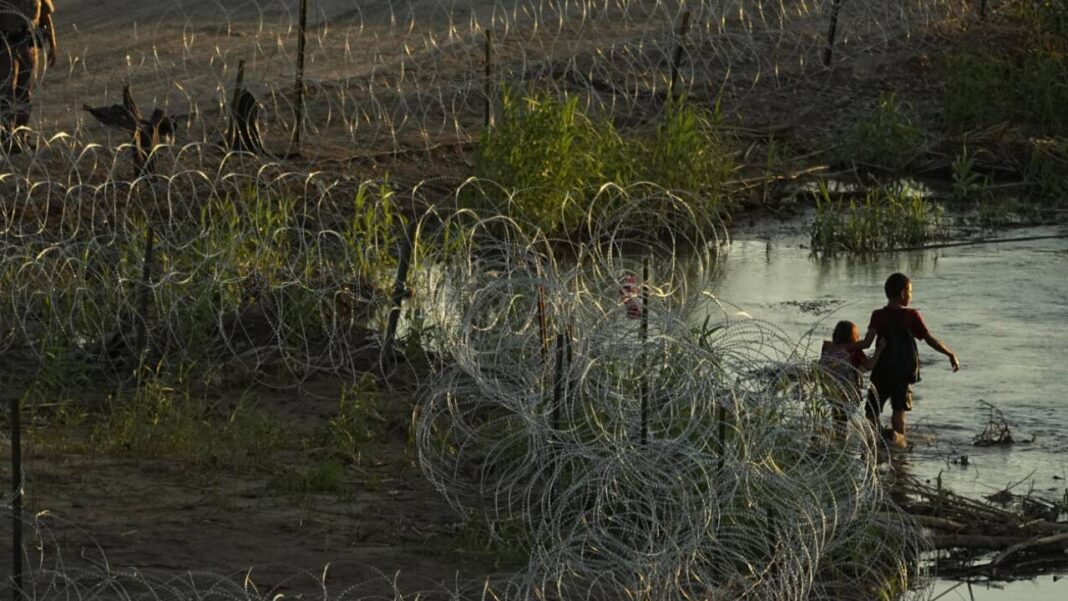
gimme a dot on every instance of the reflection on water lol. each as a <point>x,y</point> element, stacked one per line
<point>1039,589</point>
<point>1002,308</point>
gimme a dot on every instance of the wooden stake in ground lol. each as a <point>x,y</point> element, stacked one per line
<point>643,334</point>
<point>299,101</point>
<point>558,381</point>
<point>543,323</point>
<point>832,31</point>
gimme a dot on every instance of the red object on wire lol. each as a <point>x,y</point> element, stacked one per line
<point>630,296</point>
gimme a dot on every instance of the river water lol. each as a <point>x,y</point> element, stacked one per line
<point>1003,308</point>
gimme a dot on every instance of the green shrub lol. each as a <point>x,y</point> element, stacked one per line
<point>886,137</point>
<point>1027,88</point>
<point>689,153</point>
<point>887,218</point>
<point>1047,169</point>
<point>552,160</point>
<point>357,421</point>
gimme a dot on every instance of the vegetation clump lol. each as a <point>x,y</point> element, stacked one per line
<point>887,217</point>
<point>886,137</point>
<point>1026,87</point>
<point>165,422</point>
<point>1021,80</point>
<point>552,159</point>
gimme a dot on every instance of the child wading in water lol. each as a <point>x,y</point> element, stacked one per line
<point>898,367</point>
<point>843,361</point>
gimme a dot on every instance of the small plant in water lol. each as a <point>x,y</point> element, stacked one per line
<point>888,217</point>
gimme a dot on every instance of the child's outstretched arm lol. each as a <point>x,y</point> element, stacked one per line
<point>865,342</point>
<point>869,364</point>
<point>937,345</point>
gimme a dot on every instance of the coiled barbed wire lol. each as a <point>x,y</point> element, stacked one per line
<point>397,75</point>
<point>259,265</point>
<point>654,458</point>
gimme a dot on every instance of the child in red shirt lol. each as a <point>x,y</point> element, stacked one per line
<point>892,379</point>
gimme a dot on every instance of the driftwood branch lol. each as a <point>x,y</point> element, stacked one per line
<point>973,531</point>
<point>1055,541</point>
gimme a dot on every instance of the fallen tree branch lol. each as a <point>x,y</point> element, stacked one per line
<point>1060,540</point>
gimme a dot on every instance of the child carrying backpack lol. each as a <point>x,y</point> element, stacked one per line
<point>843,362</point>
<point>898,367</point>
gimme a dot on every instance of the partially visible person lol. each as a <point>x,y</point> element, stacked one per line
<point>897,328</point>
<point>843,361</point>
<point>24,26</point>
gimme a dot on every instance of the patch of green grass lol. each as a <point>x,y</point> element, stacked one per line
<point>689,152</point>
<point>1044,18</point>
<point>886,137</point>
<point>159,421</point>
<point>887,217</point>
<point>358,422</point>
<point>326,477</point>
<point>552,157</point>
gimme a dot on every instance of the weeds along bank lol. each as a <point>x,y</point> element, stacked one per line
<point>646,453</point>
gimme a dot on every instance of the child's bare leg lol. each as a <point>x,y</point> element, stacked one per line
<point>897,421</point>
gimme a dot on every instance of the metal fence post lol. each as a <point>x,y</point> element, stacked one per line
<point>300,75</point>
<point>832,31</point>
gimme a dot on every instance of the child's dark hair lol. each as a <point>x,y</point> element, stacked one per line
<point>895,284</point>
<point>843,332</point>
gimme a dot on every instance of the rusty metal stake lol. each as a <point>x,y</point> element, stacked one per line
<point>300,75</point>
<point>676,61</point>
<point>832,31</point>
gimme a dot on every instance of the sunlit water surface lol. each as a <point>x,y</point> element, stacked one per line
<point>1003,308</point>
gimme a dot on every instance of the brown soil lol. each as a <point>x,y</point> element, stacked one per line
<point>171,516</point>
